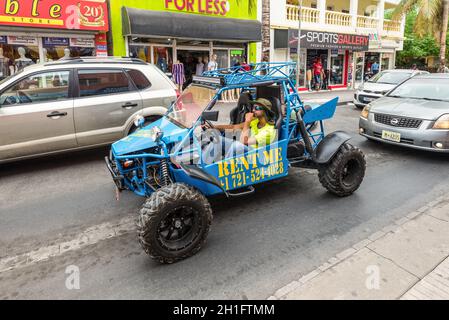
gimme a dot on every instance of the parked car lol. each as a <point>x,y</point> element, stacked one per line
<point>380,84</point>
<point>77,104</point>
<point>414,114</point>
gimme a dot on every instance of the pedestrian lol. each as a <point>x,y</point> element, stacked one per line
<point>317,73</point>
<point>444,69</point>
<point>375,68</point>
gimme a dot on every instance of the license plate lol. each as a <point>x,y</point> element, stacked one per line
<point>392,136</point>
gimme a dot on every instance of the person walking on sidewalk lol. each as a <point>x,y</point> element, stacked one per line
<point>317,73</point>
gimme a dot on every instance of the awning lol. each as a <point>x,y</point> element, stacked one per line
<point>145,23</point>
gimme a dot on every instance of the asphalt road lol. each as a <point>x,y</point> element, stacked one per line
<point>257,244</point>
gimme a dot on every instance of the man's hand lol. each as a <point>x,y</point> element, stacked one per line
<point>249,117</point>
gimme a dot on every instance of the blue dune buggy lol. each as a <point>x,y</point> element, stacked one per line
<point>166,161</point>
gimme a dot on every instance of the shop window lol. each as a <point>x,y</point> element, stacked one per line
<point>139,79</point>
<point>42,87</point>
<point>102,82</point>
<point>140,52</point>
<point>303,71</point>
<point>222,58</point>
<point>14,58</point>
<point>337,69</point>
<point>237,58</point>
<point>163,58</point>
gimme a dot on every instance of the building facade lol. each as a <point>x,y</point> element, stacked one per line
<point>191,32</point>
<point>35,31</point>
<point>347,35</point>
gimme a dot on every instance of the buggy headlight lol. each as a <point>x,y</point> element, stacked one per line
<point>139,121</point>
<point>156,134</point>
<point>442,122</point>
<point>365,112</point>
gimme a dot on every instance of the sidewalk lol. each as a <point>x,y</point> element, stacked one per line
<point>407,260</point>
<point>345,96</point>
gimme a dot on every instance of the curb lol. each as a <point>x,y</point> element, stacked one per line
<point>349,252</point>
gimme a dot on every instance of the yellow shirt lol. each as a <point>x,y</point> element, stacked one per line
<point>265,135</point>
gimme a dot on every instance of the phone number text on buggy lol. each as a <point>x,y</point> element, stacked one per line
<point>250,169</point>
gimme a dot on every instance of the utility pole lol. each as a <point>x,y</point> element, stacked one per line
<point>298,65</point>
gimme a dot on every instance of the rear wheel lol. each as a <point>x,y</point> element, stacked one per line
<point>344,174</point>
<point>174,223</point>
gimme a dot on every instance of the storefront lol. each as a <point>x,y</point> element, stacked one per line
<point>335,51</point>
<point>187,32</point>
<point>37,31</point>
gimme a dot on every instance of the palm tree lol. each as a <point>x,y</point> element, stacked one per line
<point>266,30</point>
<point>433,16</point>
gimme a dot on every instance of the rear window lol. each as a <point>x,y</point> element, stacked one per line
<point>97,82</point>
<point>139,79</point>
<point>388,77</point>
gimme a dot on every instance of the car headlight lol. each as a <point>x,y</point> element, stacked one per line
<point>156,134</point>
<point>442,122</point>
<point>365,112</point>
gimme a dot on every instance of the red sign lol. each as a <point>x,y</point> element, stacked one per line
<point>59,14</point>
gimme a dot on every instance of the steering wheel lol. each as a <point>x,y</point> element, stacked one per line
<point>211,135</point>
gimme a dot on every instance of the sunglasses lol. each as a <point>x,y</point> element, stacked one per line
<point>258,108</point>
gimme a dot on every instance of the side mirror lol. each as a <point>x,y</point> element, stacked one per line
<point>210,115</point>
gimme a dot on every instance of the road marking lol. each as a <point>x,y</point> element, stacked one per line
<point>90,236</point>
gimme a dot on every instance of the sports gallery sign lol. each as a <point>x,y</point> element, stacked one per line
<point>328,40</point>
<point>60,14</point>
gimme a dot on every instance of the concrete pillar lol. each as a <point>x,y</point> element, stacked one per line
<point>321,5</point>
<point>353,10</point>
<point>380,16</point>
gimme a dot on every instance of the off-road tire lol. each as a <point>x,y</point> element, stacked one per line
<point>158,207</point>
<point>344,174</point>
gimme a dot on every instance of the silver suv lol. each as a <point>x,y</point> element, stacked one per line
<point>78,104</point>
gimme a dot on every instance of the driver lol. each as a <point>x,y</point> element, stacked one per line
<point>257,130</point>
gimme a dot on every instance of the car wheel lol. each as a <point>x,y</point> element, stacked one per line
<point>344,174</point>
<point>174,223</point>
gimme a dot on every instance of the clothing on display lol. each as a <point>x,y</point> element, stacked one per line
<point>213,65</point>
<point>178,74</point>
<point>199,69</point>
<point>4,67</point>
<point>21,64</point>
<point>162,64</point>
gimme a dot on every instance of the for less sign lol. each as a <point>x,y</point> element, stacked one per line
<point>60,14</point>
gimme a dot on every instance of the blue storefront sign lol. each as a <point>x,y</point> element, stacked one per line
<point>3,40</point>
<point>56,41</point>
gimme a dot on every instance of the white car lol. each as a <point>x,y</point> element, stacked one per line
<point>380,84</point>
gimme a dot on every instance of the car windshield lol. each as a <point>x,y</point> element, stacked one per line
<point>426,89</point>
<point>190,105</point>
<point>388,77</point>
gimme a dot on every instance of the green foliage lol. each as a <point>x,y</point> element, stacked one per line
<point>416,47</point>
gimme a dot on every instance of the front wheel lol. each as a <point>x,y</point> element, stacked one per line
<point>344,174</point>
<point>174,223</point>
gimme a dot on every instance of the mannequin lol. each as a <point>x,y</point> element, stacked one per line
<point>178,74</point>
<point>46,59</point>
<point>4,65</point>
<point>212,65</point>
<point>66,54</point>
<point>23,61</point>
<point>199,67</point>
